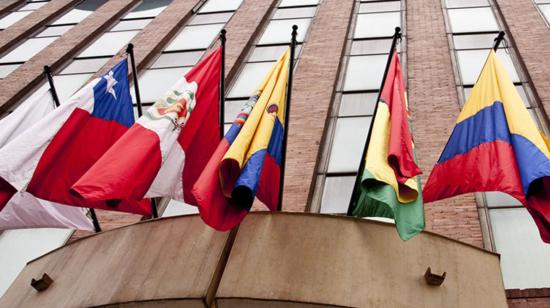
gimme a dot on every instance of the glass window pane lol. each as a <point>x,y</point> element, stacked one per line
<point>466,3</point>
<point>84,66</point>
<point>175,208</point>
<point>279,31</point>
<point>249,79</point>
<point>270,53</point>
<point>201,19</point>
<point>131,25</point>
<point>54,31</point>
<point>148,8</point>
<point>178,59</point>
<point>470,63</point>
<point>32,6</point>
<point>385,6</point>
<point>336,194</point>
<point>22,246</point>
<point>545,9</point>
<point>220,5</point>
<point>495,198</point>
<point>154,83</point>
<point>366,47</point>
<point>301,12</point>
<point>364,72</point>
<point>108,44</point>
<point>81,11</point>
<point>5,70</point>
<point>474,41</point>
<point>524,257</point>
<point>12,18</point>
<point>377,25</point>
<point>348,144</point>
<point>472,20</point>
<point>67,85</point>
<point>232,108</point>
<point>288,3</point>
<point>27,50</point>
<point>195,37</point>
<point>357,104</point>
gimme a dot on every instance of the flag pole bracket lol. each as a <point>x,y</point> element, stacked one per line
<point>43,283</point>
<point>434,279</point>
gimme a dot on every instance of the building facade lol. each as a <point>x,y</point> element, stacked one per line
<point>341,54</point>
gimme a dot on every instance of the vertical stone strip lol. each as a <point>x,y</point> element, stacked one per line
<point>434,108</point>
<point>314,85</point>
<point>29,75</point>
<point>30,24</point>
<point>154,37</point>
<point>529,33</point>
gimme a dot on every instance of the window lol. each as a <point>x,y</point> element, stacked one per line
<point>220,6</point>
<point>195,37</point>
<point>511,230</point>
<point>279,31</point>
<point>364,64</point>
<point>544,8</point>
<point>20,13</point>
<point>249,78</point>
<point>12,59</point>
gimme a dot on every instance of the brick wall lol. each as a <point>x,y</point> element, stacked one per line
<point>434,107</point>
<point>37,19</point>
<point>24,79</point>
<point>530,298</point>
<point>315,81</point>
<point>8,5</point>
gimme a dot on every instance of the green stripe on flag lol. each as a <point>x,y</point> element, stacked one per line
<point>378,199</point>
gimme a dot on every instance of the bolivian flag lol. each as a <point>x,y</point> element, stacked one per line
<point>247,161</point>
<point>496,146</point>
<point>390,186</point>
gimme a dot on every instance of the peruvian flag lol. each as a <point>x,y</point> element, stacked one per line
<point>49,157</point>
<point>181,126</point>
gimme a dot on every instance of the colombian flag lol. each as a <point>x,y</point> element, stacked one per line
<point>390,186</point>
<point>495,146</point>
<point>247,161</point>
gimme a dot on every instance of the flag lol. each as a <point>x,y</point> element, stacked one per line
<point>390,186</point>
<point>48,158</point>
<point>247,160</point>
<point>181,126</point>
<point>21,209</point>
<point>495,146</point>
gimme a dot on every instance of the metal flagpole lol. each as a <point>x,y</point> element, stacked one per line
<point>498,40</point>
<point>130,51</point>
<point>351,207</point>
<point>222,85</point>
<point>287,115</point>
<point>53,91</point>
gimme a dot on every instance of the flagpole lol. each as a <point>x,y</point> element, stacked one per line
<point>287,115</point>
<point>130,51</point>
<point>48,73</point>
<point>498,40</point>
<point>53,91</point>
<point>222,85</point>
<point>351,207</point>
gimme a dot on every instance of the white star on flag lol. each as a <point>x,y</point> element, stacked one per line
<point>111,82</point>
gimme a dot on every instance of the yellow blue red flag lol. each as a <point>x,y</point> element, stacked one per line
<point>495,146</point>
<point>247,161</point>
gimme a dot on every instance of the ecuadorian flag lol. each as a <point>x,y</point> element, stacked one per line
<point>495,146</point>
<point>390,186</point>
<point>247,161</point>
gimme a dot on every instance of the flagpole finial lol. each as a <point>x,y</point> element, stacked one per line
<point>498,40</point>
<point>222,36</point>
<point>130,48</point>
<point>47,69</point>
<point>294,30</point>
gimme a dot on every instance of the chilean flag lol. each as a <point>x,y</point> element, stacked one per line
<point>48,158</point>
<point>23,210</point>
<point>182,125</point>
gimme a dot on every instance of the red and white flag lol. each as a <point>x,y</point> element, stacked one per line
<point>180,127</point>
<point>21,210</point>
